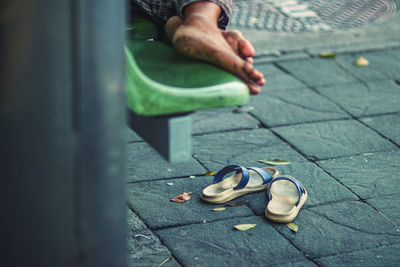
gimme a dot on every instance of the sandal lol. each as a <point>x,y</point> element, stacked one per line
<point>244,181</point>
<point>286,196</point>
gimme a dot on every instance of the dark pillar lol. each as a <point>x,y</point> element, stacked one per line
<point>62,113</point>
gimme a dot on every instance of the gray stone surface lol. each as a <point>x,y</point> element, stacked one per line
<point>365,37</point>
<point>144,163</point>
<point>388,126</point>
<point>317,72</point>
<point>367,175</point>
<point>377,97</point>
<point>216,120</point>
<point>144,248</point>
<point>134,222</point>
<point>321,187</point>
<point>283,107</point>
<point>382,256</point>
<point>325,140</point>
<point>298,264</point>
<point>382,64</point>
<point>360,47</point>
<point>219,244</point>
<point>276,79</point>
<point>151,201</point>
<point>339,228</point>
<point>218,150</point>
<point>388,205</point>
<point>277,56</point>
<point>351,171</point>
<point>131,136</point>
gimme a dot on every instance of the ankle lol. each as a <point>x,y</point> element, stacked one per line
<point>203,10</point>
<point>199,20</point>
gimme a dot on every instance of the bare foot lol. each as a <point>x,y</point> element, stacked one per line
<point>199,38</point>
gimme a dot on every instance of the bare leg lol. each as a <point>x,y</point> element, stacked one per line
<point>198,36</point>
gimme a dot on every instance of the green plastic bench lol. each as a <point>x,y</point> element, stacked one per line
<point>164,87</point>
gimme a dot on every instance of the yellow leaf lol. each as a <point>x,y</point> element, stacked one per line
<point>209,174</point>
<point>219,209</point>
<point>293,227</point>
<point>327,55</point>
<point>244,227</point>
<point>361,62</point>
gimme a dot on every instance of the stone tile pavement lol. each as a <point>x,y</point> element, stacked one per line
<point>338,124</point>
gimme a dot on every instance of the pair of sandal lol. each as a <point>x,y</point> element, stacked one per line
<point>286,195</point>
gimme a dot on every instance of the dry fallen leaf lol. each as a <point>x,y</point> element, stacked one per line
<point>235,204</point>
<point>293,227</point>
<point>219,209</point>
<point>243,109</point>
<point>244,227</point>
<point>274,161</point>
<point>182,197</point>
<point>327,55</point>
<point>361,62</point>
<point>366,154</point>
<point>209,174</point>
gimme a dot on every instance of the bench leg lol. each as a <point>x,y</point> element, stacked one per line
<point>169,135</point>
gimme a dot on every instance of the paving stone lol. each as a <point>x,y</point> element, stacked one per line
<point>359,100</point>
<point>382,65</point>
<point>361,47</point>
<point>144,248</point>
<point>367,175</point>
<point>245,147</point>
<point>321,188</point>
<point>388,205</point>
<point>339,228</point>
<point>317,72</point>
<point>276,79</point>
<point>144,163</point>
<point>325,140</point>
<point>216,120</point>
<point>219,244</point>
<point>151,201</point>
<point>282,107</point>
<point>134,222</point>
<point>298,264</point>
<point>131,136</point>
<point>383,256</point>
<point>388,125</point>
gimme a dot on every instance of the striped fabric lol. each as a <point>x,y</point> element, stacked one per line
<point>162,10</point>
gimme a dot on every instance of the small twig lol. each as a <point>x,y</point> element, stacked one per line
<point>142,236</point>
<point>165,261</point>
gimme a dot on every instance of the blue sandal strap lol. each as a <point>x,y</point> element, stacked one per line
<point>265,175</point>
<point>219,176</point>
<point>300,188</point>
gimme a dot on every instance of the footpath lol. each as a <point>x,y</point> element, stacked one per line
<point>339,126</point>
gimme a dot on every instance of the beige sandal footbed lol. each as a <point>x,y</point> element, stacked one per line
<point>284,196</point>
<point>223,191</point>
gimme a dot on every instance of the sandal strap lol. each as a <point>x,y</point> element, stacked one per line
<point>219,176</point>
<point>299,186</point>
<point>265,175</point>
